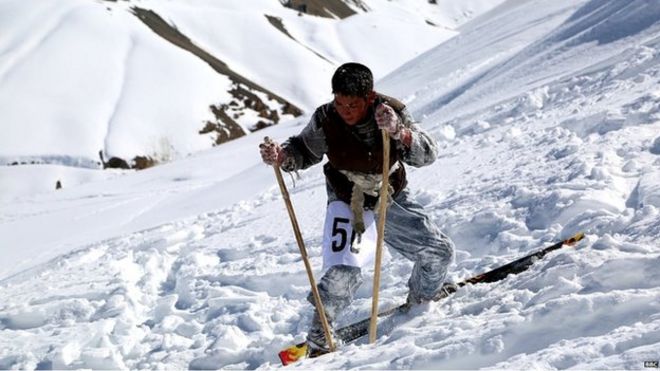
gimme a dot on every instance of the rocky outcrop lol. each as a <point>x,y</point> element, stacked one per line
<point>246,96</point>
<point>325,8</point>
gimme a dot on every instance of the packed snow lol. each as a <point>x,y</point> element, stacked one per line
<point>548,120</point>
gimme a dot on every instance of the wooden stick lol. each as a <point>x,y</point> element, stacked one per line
<point>303,253</point>
<point>384,189</point>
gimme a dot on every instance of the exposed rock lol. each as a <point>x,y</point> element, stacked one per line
<point>138,163</point>
<point>143,162</point>
<point>325,8</point>
<point>243,90</point>
<point>225,128</point>
<point>116,163</point>
<point>278,24</point>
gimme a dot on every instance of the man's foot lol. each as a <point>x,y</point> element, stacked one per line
<point>316,342</point>
<point>315,349</point>
<point>317,346</point>
<point>412,299</point>
<point>447,289</point>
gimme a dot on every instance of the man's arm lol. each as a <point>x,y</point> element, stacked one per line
<point>308,147</point>
<point>417,146</point>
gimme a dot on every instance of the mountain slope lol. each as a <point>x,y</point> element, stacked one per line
<point>147,82</point>
<point>192,264</point>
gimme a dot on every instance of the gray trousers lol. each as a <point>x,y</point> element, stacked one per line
<point>409,231</point>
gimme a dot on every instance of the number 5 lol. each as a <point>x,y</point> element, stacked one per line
<point>343,234</point>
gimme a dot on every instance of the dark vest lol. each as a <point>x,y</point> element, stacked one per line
<point>347,152</point>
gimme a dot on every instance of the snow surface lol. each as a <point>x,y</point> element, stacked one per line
<point>548,118</point>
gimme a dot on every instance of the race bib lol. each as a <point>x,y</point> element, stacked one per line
<point>340,242</point>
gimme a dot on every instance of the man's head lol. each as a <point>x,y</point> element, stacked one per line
<point>353,79</point>
<point>352,85</point>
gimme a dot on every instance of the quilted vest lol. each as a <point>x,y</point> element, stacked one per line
<point>347,152</point>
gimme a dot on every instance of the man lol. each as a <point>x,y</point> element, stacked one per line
<point>347,131</point>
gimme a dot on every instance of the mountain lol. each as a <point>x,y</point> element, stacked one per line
<point>127,84</point>
<point>548,119</point>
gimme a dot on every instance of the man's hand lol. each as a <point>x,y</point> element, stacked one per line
<point>389,121</point>
<point>271,152</point>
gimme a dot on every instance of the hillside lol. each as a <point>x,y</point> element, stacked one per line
<point>126,84</point>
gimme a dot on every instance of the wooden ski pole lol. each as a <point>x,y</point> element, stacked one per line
<point>384,189</point>
<point>303,253</point>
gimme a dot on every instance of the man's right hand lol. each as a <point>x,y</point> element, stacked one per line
<point>271,152</point>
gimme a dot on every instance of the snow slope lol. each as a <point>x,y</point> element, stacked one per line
<point>80,77</point>
<point>77,79</point>
<point>548,118</point>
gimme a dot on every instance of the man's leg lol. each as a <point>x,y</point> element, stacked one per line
<point>336,289</point>
<point>412,233</point>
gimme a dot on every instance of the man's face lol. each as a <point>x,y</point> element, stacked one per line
<point>352,109</point>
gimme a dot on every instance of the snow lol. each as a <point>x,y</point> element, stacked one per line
<point>100,94</point>
<point>14,183</point>
<point>547,115</point>
<point>119,88</point>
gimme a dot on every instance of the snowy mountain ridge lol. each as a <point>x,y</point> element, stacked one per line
<point>129,83</point>
<point>547,115</point>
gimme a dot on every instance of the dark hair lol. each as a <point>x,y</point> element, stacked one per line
<point>353,79</point>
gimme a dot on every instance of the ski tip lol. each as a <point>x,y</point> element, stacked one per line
<point>293,354</point>
<point>578,236</point>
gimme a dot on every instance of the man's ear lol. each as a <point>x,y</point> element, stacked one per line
<point>371,97</point>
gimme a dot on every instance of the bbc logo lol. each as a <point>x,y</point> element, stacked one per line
<point>652,364</point>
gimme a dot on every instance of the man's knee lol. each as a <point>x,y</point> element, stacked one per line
<point>341,279</point>
<point>441,251</point>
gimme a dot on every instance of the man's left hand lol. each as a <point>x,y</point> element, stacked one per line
<point>389,121</point>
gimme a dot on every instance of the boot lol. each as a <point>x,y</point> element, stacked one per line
<point>447,289</point>
<point>316,341</point>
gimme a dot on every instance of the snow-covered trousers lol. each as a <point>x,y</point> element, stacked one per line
<point>409,231</point>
